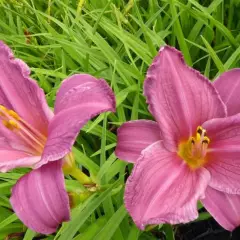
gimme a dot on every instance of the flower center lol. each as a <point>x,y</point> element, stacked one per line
<point>31,137</point>
<point>193,151</point>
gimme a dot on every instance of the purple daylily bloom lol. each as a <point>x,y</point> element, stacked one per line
<point>191,152</point>
<point>31,135</point>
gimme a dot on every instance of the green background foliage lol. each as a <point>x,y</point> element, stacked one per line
<point>115,40</point>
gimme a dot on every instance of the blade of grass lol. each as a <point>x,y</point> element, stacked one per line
<point>29,235</point>
<point>179,33</point>
<point>109,229</point>
<point>214,56</point>
<point>81,214</point>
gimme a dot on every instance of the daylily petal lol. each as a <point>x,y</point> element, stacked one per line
<point>10,159</point>
<point>163,189</point>
<point>223,156</point>
<point>225,208</point>
<point>135,136</point>
<point>228,86</point>
<point>3,99</point>
<point>73,109</point>
<point>179,97</point>
<point>20,92</point>
<point>10,139</point>
<point>81,89</point>
<point>77,82</point>
<point>40,200</point>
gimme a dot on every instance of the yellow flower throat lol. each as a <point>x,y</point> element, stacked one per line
<point>193,151</point>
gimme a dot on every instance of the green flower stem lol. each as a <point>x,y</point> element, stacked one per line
<point>70,168</point>
<point>80,176</point>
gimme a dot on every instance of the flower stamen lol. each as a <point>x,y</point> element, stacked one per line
<point>10,124</point>
<point>194,150</point>
<point>12,121</point>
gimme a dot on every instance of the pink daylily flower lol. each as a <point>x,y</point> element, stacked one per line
<point>191,152</point>
<point>31,135</point>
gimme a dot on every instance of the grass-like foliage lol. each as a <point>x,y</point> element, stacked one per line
<point>115,40</point>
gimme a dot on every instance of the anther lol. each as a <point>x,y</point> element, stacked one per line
<point>5,123</point>
<point>3,108</point>
<point>13,124</point>
<point>206,140</point>
<point>199,130</point>
<point>13,114</point>
<point>10,124</point>
<point>194,151</point>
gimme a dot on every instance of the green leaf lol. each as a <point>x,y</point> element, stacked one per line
<point>29,235</point>
<point>109,229</point>
<point>168,229</point>
<point>134,233</point>
<point>8,221</point>
<point>82,213</point>
<point>214,56</point>
<point>93,229</point>
<point>179,33</point>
